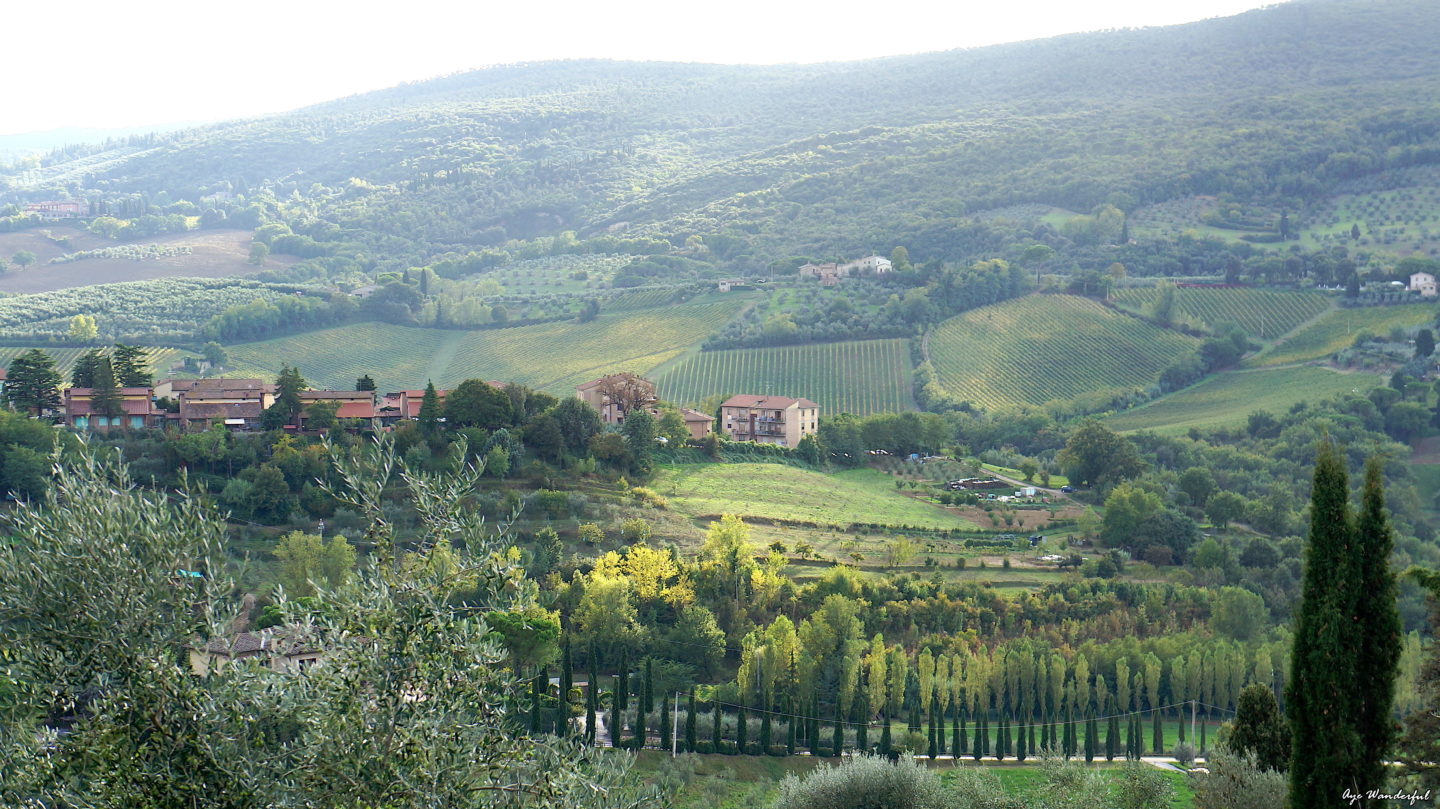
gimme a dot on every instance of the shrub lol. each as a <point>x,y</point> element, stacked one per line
<point>704,747</point>
<point>1236,782</point>
<point>864,781</point>
<point>1183,753</point>
<point>648,497</point>
<point>729,748</point>
<point>590,533</point>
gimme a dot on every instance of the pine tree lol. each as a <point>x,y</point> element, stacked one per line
<point>690,740</point>
<point>82,374</point>
<point>428,419</point>
<point>105,396</point>
<point>131,369</point>
<point>666,731</point>
<point>1320,701</point>
<point>1378,620</point>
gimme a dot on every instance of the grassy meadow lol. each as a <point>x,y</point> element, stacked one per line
<point>1226,399</point>
<point>784,492</point>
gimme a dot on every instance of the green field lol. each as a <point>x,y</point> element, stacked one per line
<point>864,377</point>
<point>1263,313</point>
<point>548,356</point>
<point>1227,399</point>
<point>1043,348</point>
<point>787,493</point>
<point>1337,330</point>
<point>159,358</point>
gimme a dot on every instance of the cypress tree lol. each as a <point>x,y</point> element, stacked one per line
<point>590,711</point>
<point>622,686</point>
<point>1092,733</point>
<point>1157,733</point>
<point>567,682</point>
<point>940,727</point>
<point>1112,737</point>
<point>1021,747</point>
<point>812,731</point>
<point>666,739</point>
<point>639,726</point>
<point>934,749</point>
<point>1045,742</point>
<point>617,713</point>
<point>978,748</point>
<point>887,749</point>
<point>837,736</point>
<point>690,740</point>
<point>1069,730</point>
<point>1030,737</point>
<point>1377,649</point>
<point>985,737</point>
<point>1320,698</point>
<point>1182,728</point>
<point>715,727</point>
<point>742,730</point>
<point>1130,754</point>
<point>957,733</point>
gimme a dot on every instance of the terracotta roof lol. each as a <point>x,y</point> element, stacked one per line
<point>220,410</point>
<point>335,395</point>
<point>355,410</point>
<point>694,415</point>
<point>771,402</point>
<point>276,641</point>
<point>226,384</point>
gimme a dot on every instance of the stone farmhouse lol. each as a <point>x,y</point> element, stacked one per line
<point>1424,283</point>
<point>831,273</point>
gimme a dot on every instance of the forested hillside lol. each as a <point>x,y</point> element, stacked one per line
<point>761,162</point>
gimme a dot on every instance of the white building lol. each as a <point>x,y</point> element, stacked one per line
<point>1422,282</point>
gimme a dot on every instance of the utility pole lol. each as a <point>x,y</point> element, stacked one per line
<point>675,728</point>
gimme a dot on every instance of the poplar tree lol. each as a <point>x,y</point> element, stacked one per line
<point>1378,620</point>
<point>1320,700</point>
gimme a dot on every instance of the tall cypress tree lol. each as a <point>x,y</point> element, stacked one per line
<point>590,704</point>
<point>742,729</point>
<point>887,748</point>
<point>622,689</point>
<point>1091,740</point>
<point>985,736</point>
<point>862,718</point>
<point>837,736</point>
<point>934,749</point>
<point>764,725</point>
<point>648,701</point>
<point>977,750</point>
<point>537,688</point>
<point>790,722</point>
<point>1320,700</point>
<point>1378,621</point>
<point>1030,737</point>
<point>1112,737</point>
<point>567,681</point>
<point>1021,746</point>
<point>957,732</point>
<point>717,727</point>
<point>667,738</point>
<point>639,726</point>
<point>1157,733</point>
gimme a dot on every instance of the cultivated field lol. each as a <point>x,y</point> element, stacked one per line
<point>1337,330</point>
<point>1263,313</point>
<point>548,356</point>
<point>1226,399</point>
<point>1043,348</point>
<point>212,254</point>
<point>864,377</point>
<point>159,358</point>
<point>789,493</point>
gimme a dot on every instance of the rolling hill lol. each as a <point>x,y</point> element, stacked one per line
<point>1046,348</point>
<point>1225,400</point>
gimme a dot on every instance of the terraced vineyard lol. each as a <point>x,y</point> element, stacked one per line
<point>1337,329</point>
<point>861,377</point>
<point>1263,313</point>
<point>159,358</point>
<point>1227,399</point>
<point>1044,348</point>
<point>549,356</point>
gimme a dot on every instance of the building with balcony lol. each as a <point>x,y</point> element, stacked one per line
<point>769,419</point>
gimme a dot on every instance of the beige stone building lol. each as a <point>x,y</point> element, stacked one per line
<point>769,419</point>
<point>278,649</point>
<point>617,394</point>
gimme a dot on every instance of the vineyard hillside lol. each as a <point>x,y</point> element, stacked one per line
<point>1227,399</point>
<point>158,358</point>
<point>1049,348</point>
<point>1263,313</point>
<point>1338,329</point>
<point>860,377</point>
<point>548,356</point>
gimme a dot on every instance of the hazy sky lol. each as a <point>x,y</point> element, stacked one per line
<point>106,64</point>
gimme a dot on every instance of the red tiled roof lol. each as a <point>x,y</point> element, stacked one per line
<point>694,415</point>
<point>771,402</point>
<point>335,395</point>
<point>220,410</point>
<point>355,410</point>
